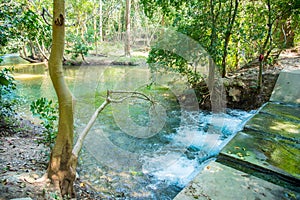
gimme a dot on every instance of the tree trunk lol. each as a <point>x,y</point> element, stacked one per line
<point>290,35</point>
<point>214,15</point>
<point>228,32</point>
<point>269,36</point>
<point>95,30</point>
<point>41,50</point>
<point>33,54</point>
<point>61,169</point>
<point>100,21</point>
<point>127,22</point>
<point>259,81</point>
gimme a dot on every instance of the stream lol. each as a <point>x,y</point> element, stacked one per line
<point>136,149</point>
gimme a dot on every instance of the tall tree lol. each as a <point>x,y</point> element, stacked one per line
<point>61,169</point>
<point>233,10</point>
<point>63,160</point>
<point>127,22</point>
<point>100,21</point>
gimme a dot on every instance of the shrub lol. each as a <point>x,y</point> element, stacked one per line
<point>47,111</point>
<point>8,96</point>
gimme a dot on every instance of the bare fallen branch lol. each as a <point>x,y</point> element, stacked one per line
<point>108,100</point>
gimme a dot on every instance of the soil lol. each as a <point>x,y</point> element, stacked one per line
<point>22,159</point>
<point>241,86</point>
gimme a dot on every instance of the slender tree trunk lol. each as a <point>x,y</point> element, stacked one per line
<point>120,36</point>
<point>290,35</point>
<point>96,37</point>
<point>41,50</point>
<point>83,28</point>
<point>24,50</point>
<point>269,38</point>
<point>213,29</point>
<point>259,81</point>
<point>100,21</point>
<point>61,169</point>
<point>228,32</point>
<point>214,14</point>
<point>33,54</point>
<point>127,22</point>
<point>213,38</point>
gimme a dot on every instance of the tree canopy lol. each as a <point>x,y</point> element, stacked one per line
<point>233,32</point>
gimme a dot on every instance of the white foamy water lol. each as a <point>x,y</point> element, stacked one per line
<point>180,161</point>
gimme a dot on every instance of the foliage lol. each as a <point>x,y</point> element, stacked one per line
<point>232,43</point>
<point>23,28</point>
<point>8,13</point>
<point>8,97</point>
<point>77,47</point>
<point>47,111</point>
<point>161,60</point>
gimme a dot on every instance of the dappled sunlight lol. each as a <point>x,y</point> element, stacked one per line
<point>28,76</point>
<point>285,126</point>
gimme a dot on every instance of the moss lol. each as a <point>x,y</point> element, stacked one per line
<point>283,111</point>
<point>265,151</point>
<point>275,125</point>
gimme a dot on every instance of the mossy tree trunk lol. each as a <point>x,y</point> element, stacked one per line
<point>62,165</point>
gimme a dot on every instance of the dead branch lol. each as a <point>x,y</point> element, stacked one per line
<point>134,94</point>
<point>45,11</point>
<point>108,100</point>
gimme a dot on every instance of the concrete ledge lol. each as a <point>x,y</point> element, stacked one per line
<point>287,87</point>
<point>218,181</point>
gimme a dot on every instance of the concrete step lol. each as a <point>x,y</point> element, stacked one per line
<point>269,146</point>
<point>220,182</point>
<point>287,87</point>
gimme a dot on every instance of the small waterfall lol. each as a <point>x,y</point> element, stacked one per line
<point>191,147</point>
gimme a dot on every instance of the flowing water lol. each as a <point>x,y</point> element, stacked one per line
<point>136,150</point>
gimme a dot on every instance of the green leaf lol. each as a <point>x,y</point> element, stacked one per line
<point>4,81</point>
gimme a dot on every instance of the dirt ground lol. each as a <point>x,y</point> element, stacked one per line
<point>23,160</point>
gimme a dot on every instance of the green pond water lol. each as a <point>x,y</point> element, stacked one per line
<point>135,150</point>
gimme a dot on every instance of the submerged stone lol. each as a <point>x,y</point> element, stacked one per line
<point>193,148</point>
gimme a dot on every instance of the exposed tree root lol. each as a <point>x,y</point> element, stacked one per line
<point>44,179</point>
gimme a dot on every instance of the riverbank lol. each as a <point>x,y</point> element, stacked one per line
<point>241,86</point>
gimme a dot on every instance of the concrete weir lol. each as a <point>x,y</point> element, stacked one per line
<point>263,160</point>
